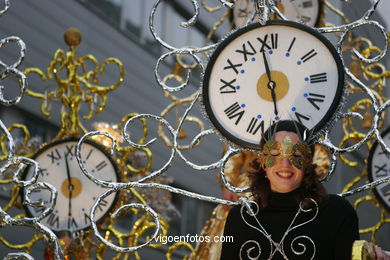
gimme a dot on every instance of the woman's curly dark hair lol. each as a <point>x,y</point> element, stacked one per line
<point>310,187</point>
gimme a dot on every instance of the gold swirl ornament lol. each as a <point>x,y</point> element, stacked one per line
<point>79,85</point>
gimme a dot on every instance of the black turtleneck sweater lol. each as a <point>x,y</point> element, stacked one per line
<point>333,230</point>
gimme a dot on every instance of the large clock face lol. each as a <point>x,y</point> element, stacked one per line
<point>262,74</point>
<point>379,167</point>
<point>306,11</point>
<point>76,193</point>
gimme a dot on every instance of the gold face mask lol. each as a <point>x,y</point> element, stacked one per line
<point>273,152</point>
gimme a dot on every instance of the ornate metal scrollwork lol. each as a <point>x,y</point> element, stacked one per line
<point>95,97</point>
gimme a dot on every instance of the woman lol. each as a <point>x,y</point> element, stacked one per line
<point>293,217</point>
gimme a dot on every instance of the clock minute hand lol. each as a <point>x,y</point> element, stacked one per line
<point>266,66</point>
<point>70,186</point>
<point>271,84</point>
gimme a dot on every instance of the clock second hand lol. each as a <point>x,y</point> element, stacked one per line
<point>70,188</point>
<point>271,84</point>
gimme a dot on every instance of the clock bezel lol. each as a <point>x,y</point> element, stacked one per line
<point>328,117</point>
<point>370,174</point>
<point>320,16</point>
<point>97,146</point>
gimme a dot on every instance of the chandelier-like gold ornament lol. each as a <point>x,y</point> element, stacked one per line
<point>80,85</point>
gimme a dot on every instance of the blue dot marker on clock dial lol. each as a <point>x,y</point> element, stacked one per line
<point>299,62</point>
<point>258,116</point>
<point>277,118</point>
<point>242,71</point>
<point>306,79</point>
<point>253,59</point>
<point>270,52</point>
<point>243,105</point>
<point>287,54</point>
<point>293,109</point>
<point>305,95</point>
<point>238,87</point>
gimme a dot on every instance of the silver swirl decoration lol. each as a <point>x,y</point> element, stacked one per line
<point>12,70</point>
<point>301,246</point>
<point>29,186</point>
<point>247,206</point>
<point>6,7</point>
<point>298,248</point>
<point>21,162</point>
<point>187,24</point>
<point>115,214</point>
<point>18,256</point>
<point>249,252</point>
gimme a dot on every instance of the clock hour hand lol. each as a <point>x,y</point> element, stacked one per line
<point>271,84</point>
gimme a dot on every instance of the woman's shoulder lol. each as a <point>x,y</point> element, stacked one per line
<point>339,205</point>
<point>235,220</point>
<point>237,211</point>
<point>337,200</point>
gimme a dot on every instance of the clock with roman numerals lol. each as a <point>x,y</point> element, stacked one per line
<point>378,167</point>
<point>262,74</point>
<point>76,193</point>
<point>306,11</point>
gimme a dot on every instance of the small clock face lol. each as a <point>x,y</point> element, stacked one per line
<point>379,167</point>
<point>262,74</point>
<point>306,11</point>
<point>76,193</point>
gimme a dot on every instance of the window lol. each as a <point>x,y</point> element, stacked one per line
<point>132,18</point>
